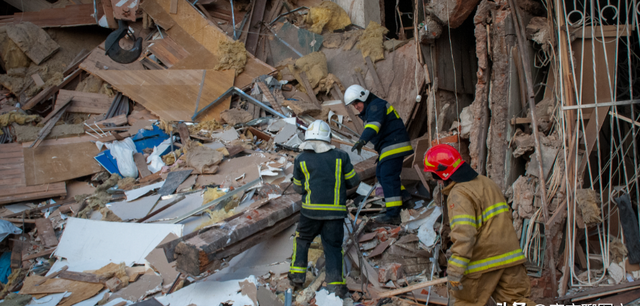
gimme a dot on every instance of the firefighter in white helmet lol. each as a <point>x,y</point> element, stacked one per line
<point>322,174</point>
<point>384,128</point>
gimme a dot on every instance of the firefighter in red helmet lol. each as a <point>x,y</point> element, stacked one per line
<point>486,259</point>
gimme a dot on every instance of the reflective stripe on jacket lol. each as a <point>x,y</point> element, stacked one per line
<point>323,180</point>
<point>481,228</point>
<point>384,128</point>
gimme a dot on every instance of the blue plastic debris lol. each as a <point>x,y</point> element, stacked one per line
<point>143,139</point>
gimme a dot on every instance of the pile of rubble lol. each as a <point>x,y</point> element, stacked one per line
<point>186,151</point>
<point>147,147</point>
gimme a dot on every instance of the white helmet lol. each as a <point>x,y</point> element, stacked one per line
<point>318,130</point>
<point>355,93</point>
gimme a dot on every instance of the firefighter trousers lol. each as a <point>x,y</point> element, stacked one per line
<point>331,233</point>
<point>388,174</point>
<point>508,285</point>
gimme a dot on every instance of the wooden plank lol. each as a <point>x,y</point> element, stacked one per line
<point>356,122</point>
<point>70,15</point>
<point>46,233</point>
<point>50,276</point>
<point>599,290</point>
<point>108,14</point>
<point>42,134</point>
<point>168,51</point>
<point>117,120</point>
<point>48,191</point>
<point>13,187</point>
<point>80,277</point>
<point>194,258</point>
<point>141,164</point>
<point>413,287</point>
<point>59,163</point>
<point>16,253</point>
<point>84,102</point>
<point>621,299</point>
<point>254,26</point>
<point>39,254</point>
<point>376,79</point>
<point>97,61</point>
<point>201,38</point>
<point>171,94</point>
<point>125,9</point>
<point>309,89</point>
<point>174,7</point>
<point>19,220</point>
<point>37,79</point>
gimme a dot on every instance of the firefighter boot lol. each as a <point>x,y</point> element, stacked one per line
<point>297,280</point>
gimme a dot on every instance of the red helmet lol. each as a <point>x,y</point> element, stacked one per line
<point>443,160</point>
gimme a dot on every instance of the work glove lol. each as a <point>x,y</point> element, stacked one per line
<point>358,146</point>
<point>454,281</point>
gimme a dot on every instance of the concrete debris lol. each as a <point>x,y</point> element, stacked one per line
<point>523,196</point>
<point>204,159</point>
<point>522,143</point>
<point>207,199</point>
<point>235,116</point>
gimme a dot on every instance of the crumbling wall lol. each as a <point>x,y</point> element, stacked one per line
<point>502,39</point>
<point>479,107</point>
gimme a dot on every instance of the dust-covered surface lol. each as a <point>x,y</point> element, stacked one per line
<point>26,133</point>
<point>370,43</point>
<point>233,55</point>
<point>21,68</point>
<point>203,159</point>
<point>235,116</point>
<point>328,16</point>
<point>33,41</point>
<point>589,205</point>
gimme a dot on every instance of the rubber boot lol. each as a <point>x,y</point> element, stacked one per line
<point>297,279</point>
<point>392,216</point>
<point>341,291</point>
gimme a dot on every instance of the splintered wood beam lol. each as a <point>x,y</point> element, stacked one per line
<point>46,232</point>
<point>354,119</point>
<point>309,89</point>
<point>376,79</point>
<point>48,127</point>
<point>204,251</point>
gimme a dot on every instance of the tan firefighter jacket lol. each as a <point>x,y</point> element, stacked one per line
<point>481,228</point>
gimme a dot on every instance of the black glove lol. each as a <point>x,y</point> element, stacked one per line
<point>358,146</point>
